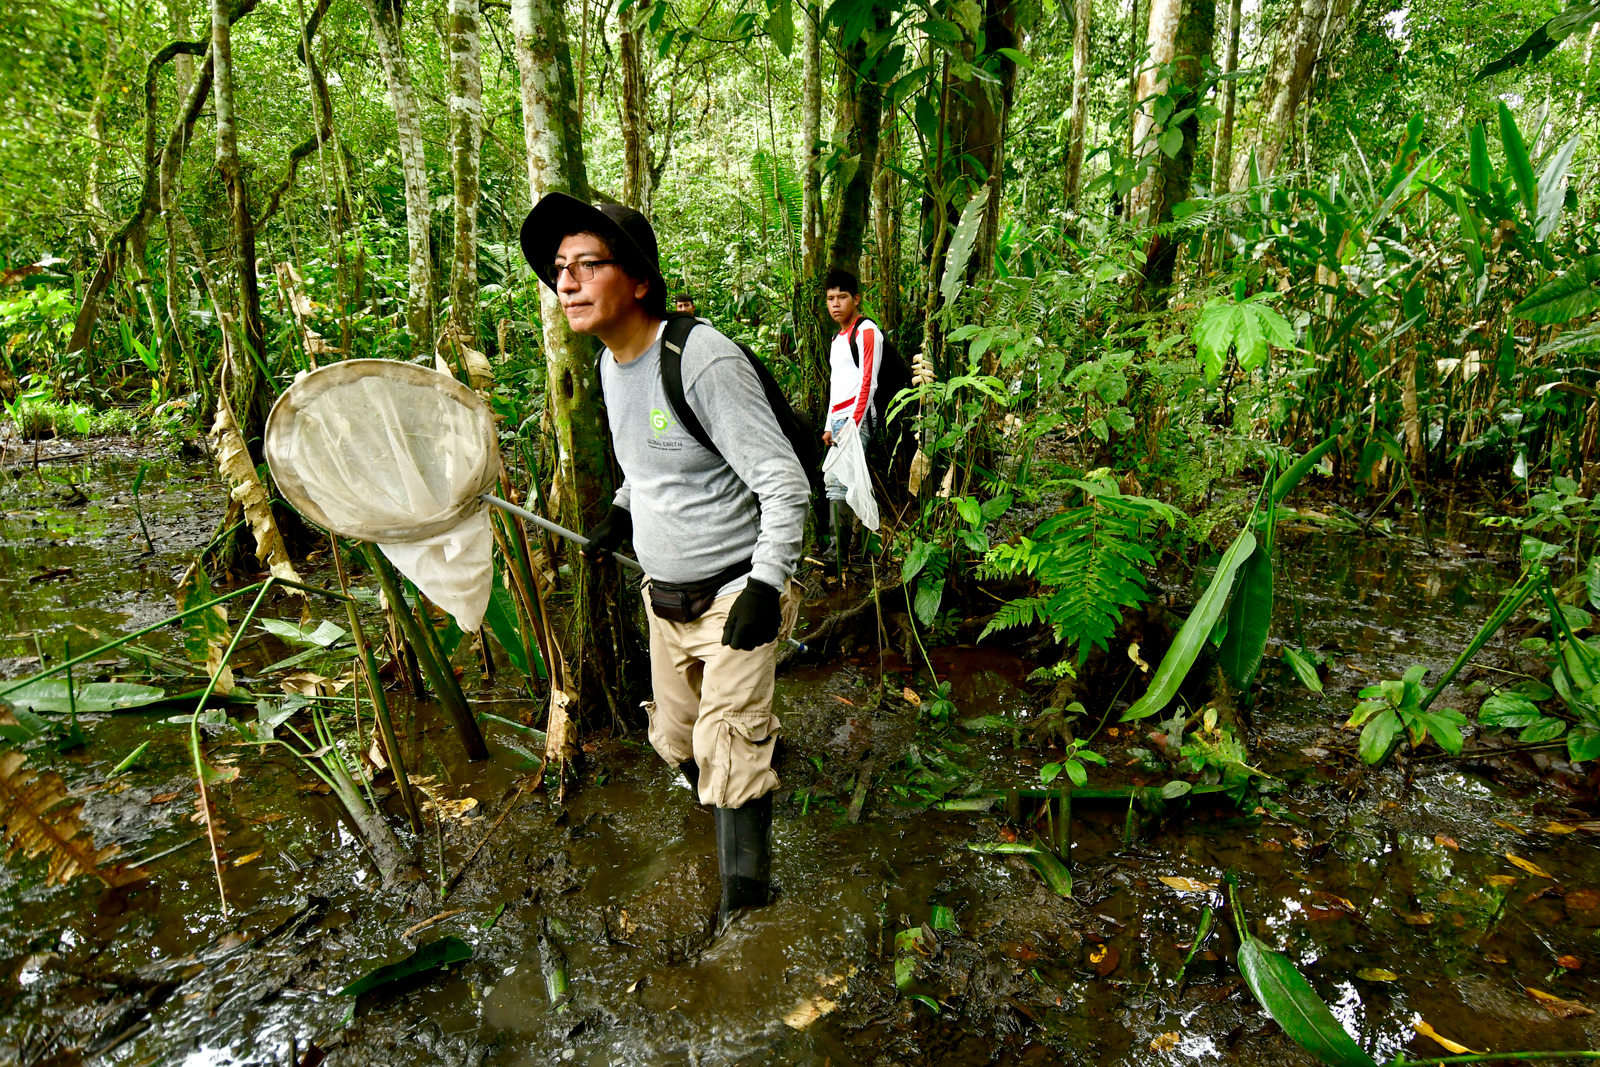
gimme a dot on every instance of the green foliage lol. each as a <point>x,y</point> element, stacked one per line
<point>1249,328</point>
<point>1395,706</point>
<point>1090,561</point>
<point>1072,764</point>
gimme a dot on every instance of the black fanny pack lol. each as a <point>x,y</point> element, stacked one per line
<point>684,602</point>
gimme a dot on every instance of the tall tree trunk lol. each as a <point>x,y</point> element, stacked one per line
<point>553,130</point>
<point>183,65</point>
<point>975,121</point>
<point>811,337</point>
<point>1172,177</point>
<point>1222,153</point>
<point>1284,89</point>
<point>1080,100</point>
<point>386,35</point>
<point>886,223</point>
<point>1136,35</point>
<point>98,186</point>
<point>466,139</point>
<point>1161,46</point>
<point>635,114</point>
<point>861,116</point>
<point>250,405</point>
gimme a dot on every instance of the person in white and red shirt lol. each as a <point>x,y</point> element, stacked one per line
<point>853,360</point>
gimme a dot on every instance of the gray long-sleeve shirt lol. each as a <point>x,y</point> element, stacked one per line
<point>695,514</point>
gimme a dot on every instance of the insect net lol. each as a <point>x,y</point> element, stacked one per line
<point>396,455</point>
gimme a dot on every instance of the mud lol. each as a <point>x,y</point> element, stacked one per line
<point>1402,870</point>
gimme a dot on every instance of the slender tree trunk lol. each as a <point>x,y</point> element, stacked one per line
<point>886,223</point>
<point>1080,100</point>
<point>1291,70</point>
<point>1136,35</point>
<point>97,186</point>
<point>183,65</point>
<point>1222,153</point>
<point>1161,47</point>
<point>861,109</point>
<point>466,139</point>
<point>807,302</point>
<point>1172,177</point>
<point>386,35</point>
<point>976,118</point>
<point>635,115</point>
<point>250,407</point>
<point>553,130</point>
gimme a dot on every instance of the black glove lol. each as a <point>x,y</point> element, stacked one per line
<point>606,538</point>
<point>755,617</point>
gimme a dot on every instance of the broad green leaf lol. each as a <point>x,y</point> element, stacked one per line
<point>1583,743</point>
<point>1214,331</point>
<point>943,918</point>
<point>23,727</point>
<point>1480,172</point>
<point>1249,621</point>
<point>1196,629</point>
<point>1553,189</point>
<point>204,629</point>
<point>130,759</point>
<point>440,953</point>
<point>51,695</point>
<point>1594,580</point>
<point>930,591</point>
<point>1541,42</point>
<point>1508,711</point>
<point>917,558</point>
<point>1018,848</point>
<point>1303,669</point>
<point>1470,242</point>
<point>1378,735</point>
<point>1517,161</point>
<point>322,635</point>
<point>1543,730</point>
<point>955,263</point>
<point>1567,296</point>
<point>780,24</point>
<point>501,616</point>
<point>1054,872</point>
<point>1295,1006</point>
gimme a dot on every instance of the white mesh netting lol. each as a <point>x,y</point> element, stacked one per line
<point>397,455</point>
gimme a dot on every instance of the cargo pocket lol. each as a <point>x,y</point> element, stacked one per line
<point>743,762</point>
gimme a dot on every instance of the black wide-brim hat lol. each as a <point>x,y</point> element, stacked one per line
<point>558,215</point>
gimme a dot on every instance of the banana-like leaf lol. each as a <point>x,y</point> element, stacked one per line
<point>52,695</point>
<point>1303,669</point>
<point>1517,160</point>
<point>1553,189</point>
<point>1564,297</point>
<point>1054,873</point>
<point>1249,621</point>
<point>501,617</point>
<point>1479,171</point>
<point>1285,483</point>
<point>36,818</point>
<point>1295,1006</point>
<point>955,262</point>
<point>1192,637</point>
<point>1470,242</point>
<point>1579,15</point>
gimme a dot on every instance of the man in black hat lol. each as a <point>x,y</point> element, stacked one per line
<point>717,532</point>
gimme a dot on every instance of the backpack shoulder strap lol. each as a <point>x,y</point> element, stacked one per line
<point>855,353</point>
<point>673,339</point>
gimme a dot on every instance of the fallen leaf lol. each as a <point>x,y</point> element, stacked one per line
<point>1529,866</point>
<point>1188,885</point>
<point>1571,963</point>
<point>1502,880</point>
<point>1495,957</point>
<point>162,798</point>
<point>1507,826</point>
<point>1112,731</point>
<point>1453,1046</point>
<point>1105,960</point>
<point>1445,840</point>
<point>1376,974</point>
<point>1138,660</point>
<point>247,858</point>
<point>809,1011</point>
<point>911,696</point>
<point>1559,828</point>
<point>844,700</point>
<point>1420,919</point>
<point>1561,1009</point>
<point>1336,901</point>
<point>1167,1041</point>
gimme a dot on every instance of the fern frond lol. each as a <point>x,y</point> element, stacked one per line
<point>1014,613</point>
<point>36,819</point>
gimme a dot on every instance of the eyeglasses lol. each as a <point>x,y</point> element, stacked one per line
<point>582,270</point>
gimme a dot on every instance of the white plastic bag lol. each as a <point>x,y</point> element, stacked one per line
<point>847,462</point>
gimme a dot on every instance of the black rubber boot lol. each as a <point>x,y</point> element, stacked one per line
<point>844,532</point>
<point>744,856</point>
<point>691,774</point>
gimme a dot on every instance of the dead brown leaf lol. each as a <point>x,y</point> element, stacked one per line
<point>1187,885</point>
<point>1571,963</point>
<point>1561,1009</point>
<point>1530,866</point>
<point>1444,1042</point>
<point>1165,1042</point>
<point>1446,840</point>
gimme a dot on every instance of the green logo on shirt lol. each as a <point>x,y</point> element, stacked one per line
<point>659,423</point>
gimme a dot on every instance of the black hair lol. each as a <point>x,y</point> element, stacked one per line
<point>655,301</point>
<point>682,297</point>
<point>839,278</point>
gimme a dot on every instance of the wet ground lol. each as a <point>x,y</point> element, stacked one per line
<point>1392,890</point>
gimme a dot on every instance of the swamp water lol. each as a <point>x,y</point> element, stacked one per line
<point>1403,870</point>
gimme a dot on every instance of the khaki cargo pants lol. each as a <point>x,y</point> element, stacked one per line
<point>713,704</point>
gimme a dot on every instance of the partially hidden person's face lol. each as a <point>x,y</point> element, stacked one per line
<point>686,307</point>
<point>600,303</point>
<point>842,306</point>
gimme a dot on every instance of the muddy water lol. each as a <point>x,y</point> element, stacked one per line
<point>1403,870</point>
